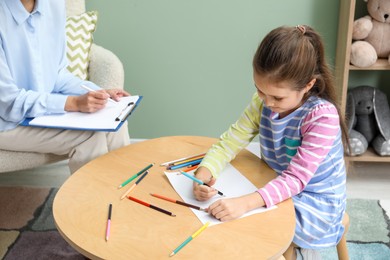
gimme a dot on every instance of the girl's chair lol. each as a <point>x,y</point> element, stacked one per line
<point>342,249</point>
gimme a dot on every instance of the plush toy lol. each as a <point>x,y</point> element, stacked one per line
<point>368,120</point>
<point>371,34</point>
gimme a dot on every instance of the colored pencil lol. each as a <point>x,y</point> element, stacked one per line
<point>190,168</point>
<point>177,166</point>
<point>198,181</point>
<point>151,206</point>
<point>108,222</point>
<point>188,160</point>
<point>177,201</point>
<point>136,175</point>
<point>189,239</point>
<point>182,159</point>
<point>134,185</point>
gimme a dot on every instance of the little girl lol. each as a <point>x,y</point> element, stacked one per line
<point>301,134</point>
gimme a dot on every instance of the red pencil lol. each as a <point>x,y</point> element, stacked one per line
<point>151,206</point>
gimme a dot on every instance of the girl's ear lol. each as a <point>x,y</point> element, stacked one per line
<point>310,85</point>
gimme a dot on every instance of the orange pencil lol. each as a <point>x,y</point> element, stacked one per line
<point>177,201</point>
<point>151,206</point>
<point>191,168</point>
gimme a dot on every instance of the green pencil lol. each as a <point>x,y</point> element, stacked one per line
<point>135,175</point>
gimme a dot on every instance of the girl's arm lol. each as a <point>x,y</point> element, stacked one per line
<point>320,132</point>
<point>237,137</point>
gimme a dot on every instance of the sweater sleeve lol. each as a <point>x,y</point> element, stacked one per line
<point>319,132</point>
<point>237,137</point>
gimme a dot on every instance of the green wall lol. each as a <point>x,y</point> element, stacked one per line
<point>191,60</point>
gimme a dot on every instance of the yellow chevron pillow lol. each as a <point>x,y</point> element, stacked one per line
<point>79,29</point>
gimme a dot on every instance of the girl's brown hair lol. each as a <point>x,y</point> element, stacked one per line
<point>297,55</point>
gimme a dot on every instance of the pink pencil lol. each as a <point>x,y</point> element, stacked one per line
<point>108,221</point>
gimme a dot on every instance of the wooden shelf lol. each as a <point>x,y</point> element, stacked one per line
<point>380,64</point>
<point>343,69</point>
<point>369,156</point>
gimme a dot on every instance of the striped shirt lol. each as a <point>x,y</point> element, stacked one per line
<point>305,149</point>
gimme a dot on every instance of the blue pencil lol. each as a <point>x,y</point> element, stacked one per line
<point>198,181</point>
<point>174,167</point>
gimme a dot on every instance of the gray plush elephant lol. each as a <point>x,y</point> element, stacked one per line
<point>368,120</point>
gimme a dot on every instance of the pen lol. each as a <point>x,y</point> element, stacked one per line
<point>92,90</point>
<point>108,221</point>
<point>135,175</point>
<point>198,181</point>
<point>189,239</point>
<point>135,184</point>
<point>182,159</point>
<point>177,166</point>
<point>177,202</point>
<point>151,206</point>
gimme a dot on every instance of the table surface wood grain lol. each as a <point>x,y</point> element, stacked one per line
<point>80,209</point>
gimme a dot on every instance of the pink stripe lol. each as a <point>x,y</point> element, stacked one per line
<point>108,229</point>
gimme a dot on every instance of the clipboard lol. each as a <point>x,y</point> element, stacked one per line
<point>108,119</point>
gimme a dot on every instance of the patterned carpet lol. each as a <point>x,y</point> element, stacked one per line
<point>369,233</point>
<point>27,229</point>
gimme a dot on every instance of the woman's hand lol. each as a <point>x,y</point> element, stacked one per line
<point>232,208</point>
<point>88,103</point>
<point>203,192</point>
<point>116,93</point>
<point>93,100</point>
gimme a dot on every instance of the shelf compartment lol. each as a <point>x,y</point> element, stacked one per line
<point>380,64</point>
<point>369,156</point>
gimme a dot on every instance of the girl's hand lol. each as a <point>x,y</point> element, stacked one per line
<point>233,208</point>
<point>202,192</point>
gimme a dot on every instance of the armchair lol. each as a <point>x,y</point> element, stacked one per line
<point>105,69</point>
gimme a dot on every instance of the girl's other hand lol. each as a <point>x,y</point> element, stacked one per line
<point>232,208</point>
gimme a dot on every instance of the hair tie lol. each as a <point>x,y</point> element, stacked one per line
<point>301,28</point>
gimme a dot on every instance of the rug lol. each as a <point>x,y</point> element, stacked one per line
<point>368,236</point>
<point>27,229</point>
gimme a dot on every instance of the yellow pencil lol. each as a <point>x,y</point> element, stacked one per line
<point>182,159</point>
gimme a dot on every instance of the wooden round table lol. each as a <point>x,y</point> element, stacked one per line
<point>80,209</point>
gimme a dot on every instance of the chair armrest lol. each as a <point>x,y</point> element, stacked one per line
<point>105,69</point>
